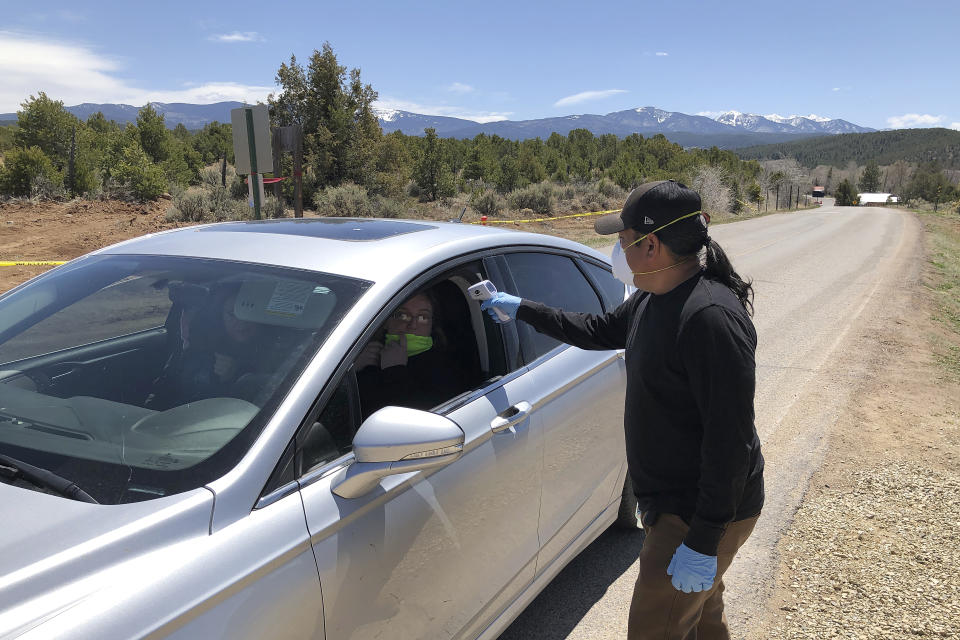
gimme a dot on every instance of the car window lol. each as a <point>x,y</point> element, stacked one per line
<point>611,290</point>
<point>466,350</point>
<point>554,281</point>
<point>143,376</point>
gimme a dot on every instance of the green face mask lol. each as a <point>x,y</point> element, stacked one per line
<point>415,344</point>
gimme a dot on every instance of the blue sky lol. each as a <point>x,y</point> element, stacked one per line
<point>879,64</point>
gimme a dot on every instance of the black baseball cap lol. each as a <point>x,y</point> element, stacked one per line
<point>650,206</point>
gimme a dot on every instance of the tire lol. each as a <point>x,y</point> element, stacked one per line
<point>628,517</point>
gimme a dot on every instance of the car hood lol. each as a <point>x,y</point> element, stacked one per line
<point>49,542</point>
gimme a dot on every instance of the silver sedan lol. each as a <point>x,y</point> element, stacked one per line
<point>202,434</point>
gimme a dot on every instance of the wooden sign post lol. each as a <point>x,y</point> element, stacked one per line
<point>290,139</point>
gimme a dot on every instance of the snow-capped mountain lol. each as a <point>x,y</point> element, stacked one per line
<point>394,119</point>
<point>754,122</point>
<point>774,123</point>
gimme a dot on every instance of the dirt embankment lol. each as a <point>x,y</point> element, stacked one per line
<point>66,230</point>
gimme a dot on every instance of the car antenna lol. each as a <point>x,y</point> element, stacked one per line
<point>460,219</point>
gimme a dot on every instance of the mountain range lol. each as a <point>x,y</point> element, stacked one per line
<point>727,130</point>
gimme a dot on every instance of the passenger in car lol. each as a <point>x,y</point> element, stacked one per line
<point>409,363</point>
<point>220,355</point>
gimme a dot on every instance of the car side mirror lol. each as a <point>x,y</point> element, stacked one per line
<point>398,440</point>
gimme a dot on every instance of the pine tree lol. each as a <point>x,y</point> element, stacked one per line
<point>431,173</point>
<point>46,124</point>
<point>341,131</point>
<point>153,134</point>
<point>870,180</point>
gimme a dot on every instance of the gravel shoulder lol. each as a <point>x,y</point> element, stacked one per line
<point>873,550</point>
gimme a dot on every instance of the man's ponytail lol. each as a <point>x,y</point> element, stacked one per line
<point>686,241</point>
<point>719,268</point>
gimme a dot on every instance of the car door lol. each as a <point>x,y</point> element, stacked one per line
<point>430,555</point>
<point>579,404</point>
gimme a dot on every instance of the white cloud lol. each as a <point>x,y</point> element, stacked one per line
<point>585,96</point>
<point>662,54</point>
<point>955,126</point>
<point>76,73</point>
<point>459,87</point>
<point>206,93</point>
<point>711,114</point>
<point>835,89</point>
<point>238,36</point>
<point>452,111</point>
<point>909,120</point>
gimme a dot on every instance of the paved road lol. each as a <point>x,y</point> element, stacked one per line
<point>816,275</point>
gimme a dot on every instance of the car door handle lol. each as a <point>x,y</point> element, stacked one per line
<point>511,417</point>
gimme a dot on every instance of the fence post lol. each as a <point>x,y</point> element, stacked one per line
<point>71,171</point>
<point>297,171</point>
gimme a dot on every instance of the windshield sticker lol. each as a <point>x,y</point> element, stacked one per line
<point>289,298</point>
<point>161,462</point>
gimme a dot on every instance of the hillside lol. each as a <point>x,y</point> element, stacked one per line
<point>882,147</point>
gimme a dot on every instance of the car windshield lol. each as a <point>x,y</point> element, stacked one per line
<point>141,376</point>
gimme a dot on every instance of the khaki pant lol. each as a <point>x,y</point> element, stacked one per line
<point>658,610</point>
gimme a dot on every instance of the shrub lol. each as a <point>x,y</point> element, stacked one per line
<point>488,202</point>
<point>188,206</point>
<point>593,200</point>
<point>210,176</point>
<point>210,204</point>
<point>29,172</point>
<point>45,188</point>
<point>538,197</point>
<point>388,207</point>
<point>238,188</point>
<point>610,189</point>
<point>346,201</point>
<point>273,207</point>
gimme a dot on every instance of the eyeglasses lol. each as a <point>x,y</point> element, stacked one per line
<point>404,317</point>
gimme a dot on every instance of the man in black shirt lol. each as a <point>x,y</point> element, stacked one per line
<point>692,448</point>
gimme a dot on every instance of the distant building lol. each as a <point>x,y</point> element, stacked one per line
<point>877,198</point>
<point>819,192</point>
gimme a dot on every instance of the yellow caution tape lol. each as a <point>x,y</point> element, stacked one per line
<point>575,215</point>
<point>31,263</point>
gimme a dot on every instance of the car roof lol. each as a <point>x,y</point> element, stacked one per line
<point>368,248</point>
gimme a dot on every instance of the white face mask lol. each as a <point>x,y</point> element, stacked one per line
<point>621,270</point>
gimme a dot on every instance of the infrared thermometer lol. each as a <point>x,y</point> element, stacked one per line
<point>484,290</point>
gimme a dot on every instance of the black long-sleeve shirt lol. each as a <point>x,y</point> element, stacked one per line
<point>692,447</point>
<point>425,381</point>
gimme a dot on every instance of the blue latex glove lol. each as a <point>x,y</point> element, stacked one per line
<point>692,571</point>
<point>503,301</point>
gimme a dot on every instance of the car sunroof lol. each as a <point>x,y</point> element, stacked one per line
<point>350,229</point>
